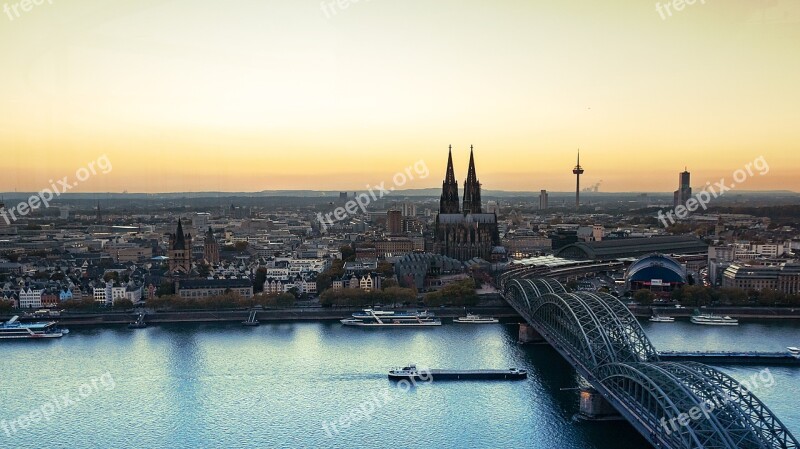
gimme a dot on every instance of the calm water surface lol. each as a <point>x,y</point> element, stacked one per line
<point>282,385</point>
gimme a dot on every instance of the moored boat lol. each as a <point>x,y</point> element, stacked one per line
<point>13,329</point>
<point>714,320</point>
<point>662,319</point>
<point>472,318</point>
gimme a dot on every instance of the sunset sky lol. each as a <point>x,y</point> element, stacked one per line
<point>249,95</point>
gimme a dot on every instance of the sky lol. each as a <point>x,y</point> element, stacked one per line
<point>251,95</point>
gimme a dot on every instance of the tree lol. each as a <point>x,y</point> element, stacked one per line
<point>348,253</point>
<point>240,246</point>
<point>111,276</point>
<point>644,297</point>
<point>572,285</point>
<point>258,282</point>
<point>166,288</point>
<point>123,304</point>
<point>385,268</point>
<point>6,306</point>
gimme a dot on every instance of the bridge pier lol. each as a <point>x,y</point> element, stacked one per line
<point>527,334</point>
<point>595,407</point>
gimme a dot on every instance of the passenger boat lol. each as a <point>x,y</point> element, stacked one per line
<point>476,319</point>
<point>714,320</point>
<point>14,329</point>
<point>662,319</point>
<point>370,313</point>
<point>794,351</point>
<point>375,320</point>
<point>392,322</point>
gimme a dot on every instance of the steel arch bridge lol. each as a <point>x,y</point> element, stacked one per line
<point>597,334</point>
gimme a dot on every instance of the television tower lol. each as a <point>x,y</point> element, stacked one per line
<point>578,171</point>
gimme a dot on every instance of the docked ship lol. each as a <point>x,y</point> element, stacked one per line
<point>411,372</point>
<point>714,320</point>
<point>394,320</point>
<point>471,318</point>
<point>794,351</point>
<point>14,329</point>
<point>662,319</point>
<point>370,313</point>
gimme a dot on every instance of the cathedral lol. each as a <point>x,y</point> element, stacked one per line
<point>464,231</point>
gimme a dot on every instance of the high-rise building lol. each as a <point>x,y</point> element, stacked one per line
<point>684,192</point>
<point>409,209</point>
<point>394,222</point>
<point>468,233</point>
<point>543,200</point>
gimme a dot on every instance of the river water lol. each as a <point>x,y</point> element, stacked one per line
<point>295,385</point>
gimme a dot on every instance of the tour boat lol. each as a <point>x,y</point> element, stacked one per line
<point>476,319</point>
<point>793,350</point>
<point>411,372</point>
<point>14,329</point>
<point>370,313</point>
<point>662,319</point>
<point>376,320</point>
<point>714,320</point>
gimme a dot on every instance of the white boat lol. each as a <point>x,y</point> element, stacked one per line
<point>390,322</point>
<point>793,350</point>
<point>476,319</point>
<point>662,319</point>
<point>714,320</point>
<point>370,313</point>
<point>14,329</point>
<point>375,320</point>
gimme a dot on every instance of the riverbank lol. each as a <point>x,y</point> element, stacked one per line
<point>211,316</point>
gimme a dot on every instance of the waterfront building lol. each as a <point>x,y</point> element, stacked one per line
<point>658,273</point>
<point>200,288</point>
<point>783,277</point>
<point>30,297</point>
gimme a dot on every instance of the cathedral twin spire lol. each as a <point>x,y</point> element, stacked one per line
<point>448,204</point>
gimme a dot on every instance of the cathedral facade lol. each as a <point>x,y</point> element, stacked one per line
<point>463,230</point>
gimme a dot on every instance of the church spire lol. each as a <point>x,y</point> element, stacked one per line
<point>180,239</point>
<point>450,176</point>
<point>448,203</point>
<point>472,188</point>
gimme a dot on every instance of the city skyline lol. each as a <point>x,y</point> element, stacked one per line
<point>296,95</point>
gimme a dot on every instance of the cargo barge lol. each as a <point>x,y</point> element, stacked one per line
<point>413,373</point>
